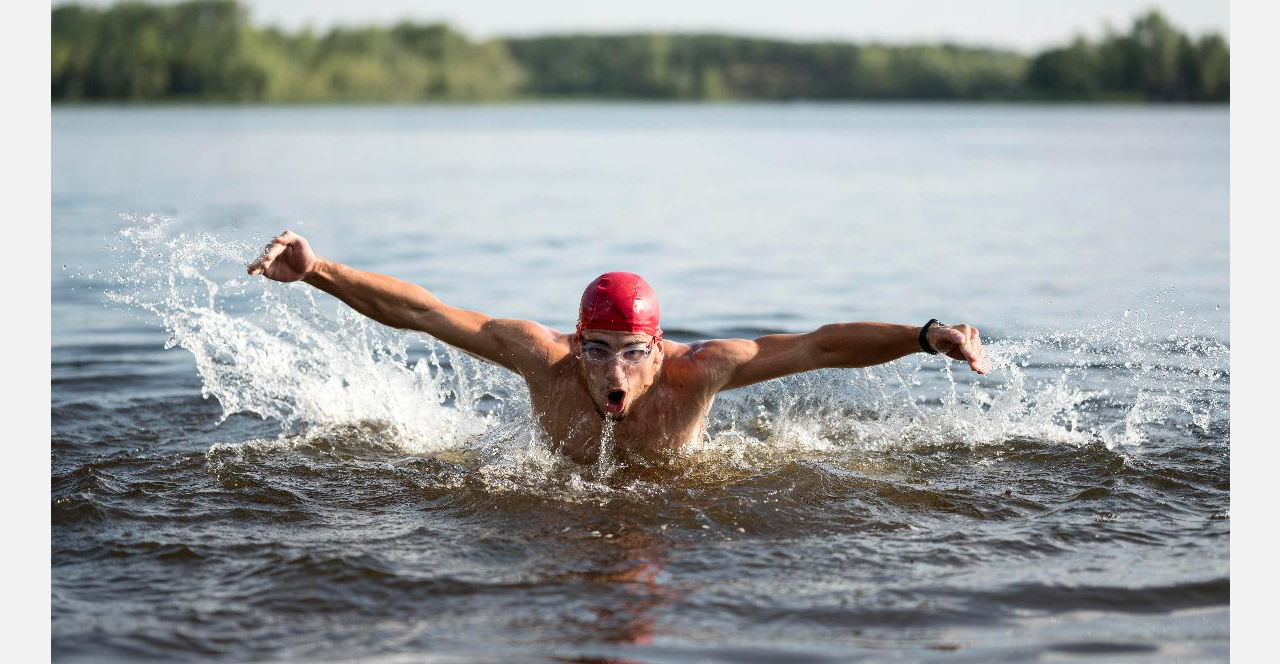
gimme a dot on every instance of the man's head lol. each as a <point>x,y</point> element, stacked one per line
<point>618,341</point>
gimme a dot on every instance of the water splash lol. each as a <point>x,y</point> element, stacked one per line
<point>605,463</point>
<point>1107,384</point>
<point>276,351</point>
<point>269,349</point>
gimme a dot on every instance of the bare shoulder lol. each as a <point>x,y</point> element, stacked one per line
<point>515,328</point>
<point>528,344</point>
<point>716,352</point>
<point>710,361</point>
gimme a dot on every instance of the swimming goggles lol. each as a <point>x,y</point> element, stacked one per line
<point>598,353</point>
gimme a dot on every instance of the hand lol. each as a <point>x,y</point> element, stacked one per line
<point>286,258</point>
<point>959,342</point>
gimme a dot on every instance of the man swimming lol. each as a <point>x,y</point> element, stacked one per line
<point>616,365</point>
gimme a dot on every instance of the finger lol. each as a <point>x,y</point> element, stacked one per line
<point>269,255</point>
<point>979,362</point>
<point>272,253</point>
<point>300,242</point>
<point>963,349</point>
<point>255,266</point>
<point>971,351</point>
<point>971,356</point>
<point>259,264</point>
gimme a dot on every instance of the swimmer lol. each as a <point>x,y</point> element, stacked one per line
<point>615,365</point>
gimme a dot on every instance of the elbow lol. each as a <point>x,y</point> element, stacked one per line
<point>396,315</point>
<point>831,348</point>
<point>846,346</point>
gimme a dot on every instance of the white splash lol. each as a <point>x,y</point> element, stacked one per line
<point>266,348</point>
<point>273,350</point>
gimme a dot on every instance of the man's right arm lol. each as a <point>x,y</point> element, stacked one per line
<point>517,345</point>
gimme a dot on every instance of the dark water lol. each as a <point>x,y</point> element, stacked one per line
<point>244,471</point>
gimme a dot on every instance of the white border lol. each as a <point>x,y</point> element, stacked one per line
<point>1253,239</point>
<point>25,490</point>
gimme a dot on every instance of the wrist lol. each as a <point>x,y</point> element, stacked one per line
<point>928,333</point>
<point>314,272</point>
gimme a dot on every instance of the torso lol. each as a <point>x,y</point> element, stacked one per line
<point>673,412</point>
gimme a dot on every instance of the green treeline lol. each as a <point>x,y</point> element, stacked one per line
<point>207,50</point>
<point>1154,61</point>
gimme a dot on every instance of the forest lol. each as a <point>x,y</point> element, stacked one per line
<point>210,51</point>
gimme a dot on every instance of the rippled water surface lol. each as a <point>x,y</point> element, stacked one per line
<point>246,471</point>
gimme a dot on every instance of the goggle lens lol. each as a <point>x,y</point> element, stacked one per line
<point>598,353</point>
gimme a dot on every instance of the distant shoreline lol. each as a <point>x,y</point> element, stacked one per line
<point>206,51</point>
<point>570,101</point>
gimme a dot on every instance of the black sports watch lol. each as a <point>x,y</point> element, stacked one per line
<point>924,345</point>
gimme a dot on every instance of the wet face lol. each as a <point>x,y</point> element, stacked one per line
<point>618,368</point>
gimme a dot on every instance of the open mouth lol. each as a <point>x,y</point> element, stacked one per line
<point>615,401</point>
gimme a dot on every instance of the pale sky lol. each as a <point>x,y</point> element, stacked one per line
<point>1026,25</point>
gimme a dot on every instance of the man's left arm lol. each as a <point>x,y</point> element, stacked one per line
<point>740,362</point>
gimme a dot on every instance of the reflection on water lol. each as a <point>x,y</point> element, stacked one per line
<point>626,569</point>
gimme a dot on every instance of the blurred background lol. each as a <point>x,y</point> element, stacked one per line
<point>280,51</point>
<point>924,153</point>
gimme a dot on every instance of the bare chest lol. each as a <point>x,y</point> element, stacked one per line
<point>665,419</point>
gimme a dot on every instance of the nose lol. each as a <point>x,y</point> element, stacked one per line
<point>617,374</point>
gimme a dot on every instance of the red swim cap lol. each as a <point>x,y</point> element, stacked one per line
<point>620,302</point>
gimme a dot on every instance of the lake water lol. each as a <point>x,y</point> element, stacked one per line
<point>246,471</point>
